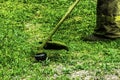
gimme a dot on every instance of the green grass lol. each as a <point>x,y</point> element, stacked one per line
<point>24,23</point>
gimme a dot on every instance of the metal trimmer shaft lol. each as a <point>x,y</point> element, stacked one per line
<point>59,23</point>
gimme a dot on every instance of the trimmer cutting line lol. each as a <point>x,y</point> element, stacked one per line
<point>47,44</point>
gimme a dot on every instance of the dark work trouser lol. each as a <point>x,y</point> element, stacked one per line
<point>108,18</point>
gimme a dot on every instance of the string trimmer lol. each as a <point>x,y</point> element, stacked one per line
<point>47,44</point>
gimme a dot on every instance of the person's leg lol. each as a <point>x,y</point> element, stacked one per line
<point>108,20</point>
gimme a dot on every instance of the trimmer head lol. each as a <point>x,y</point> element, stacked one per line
<point>41,56</point>
<point>54,45</point>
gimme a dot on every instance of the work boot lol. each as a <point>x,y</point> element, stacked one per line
<point>93,37</point>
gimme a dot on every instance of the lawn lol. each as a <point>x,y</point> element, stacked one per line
<point>24,23</point>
